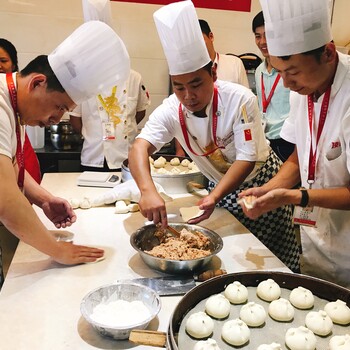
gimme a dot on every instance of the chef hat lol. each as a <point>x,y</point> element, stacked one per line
<point>296,26</point>
<point>181,37</point>
<point>90,61</point>
<point>97,10</point>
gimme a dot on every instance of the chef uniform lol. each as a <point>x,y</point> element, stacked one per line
<point>325,247</point>
<point>238,133</point>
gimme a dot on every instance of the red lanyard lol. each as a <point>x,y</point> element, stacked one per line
<point>19,151</point>
<point>214,125</point>
<point>323,115</point>
<point>266,102</point>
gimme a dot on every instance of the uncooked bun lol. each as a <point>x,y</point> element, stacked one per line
<point>340,342</point>
<point>235,332</point>
<point>302,298</point>
<point>236,293</point>
<point>175,161</point>
<point>254,315</point>
<point>281,310</point>
<point>185,162</point>
<point>319,322</point>
<point>159,163</point>
<point>300,338</point>
<point>268,290</point>
<point>199,325</point>
<point>85,203</point>
<point>272,346</point>
<point>338,311</point>
<point>217,306</point>
<point>74,202</point>
<point>209,344</point>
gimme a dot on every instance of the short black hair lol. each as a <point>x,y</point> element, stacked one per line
<point>258,21</point>
<point>317,53</point>
<point>11,50</point>
<point>41,65</point>
<point>204,27</point>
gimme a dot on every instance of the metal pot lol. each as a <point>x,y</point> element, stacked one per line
<point>63,127</point>
<point>63,136</point>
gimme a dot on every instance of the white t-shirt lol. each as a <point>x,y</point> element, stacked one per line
<point>232,133</point>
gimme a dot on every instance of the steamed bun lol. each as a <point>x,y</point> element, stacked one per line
<point>338,311</point>
<point>281,310</point>
<point>319,322</point>
<point>254,315</point>
<point>301,298</point>
<point>268,290</point>
<point>199,325</point>
<point>236,293</point>
<point>235,332</point>
<point>217,306</point>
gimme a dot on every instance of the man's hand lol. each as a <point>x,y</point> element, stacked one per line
<point>59,211</point>
<point>152,206</point>
<point>208,205</point>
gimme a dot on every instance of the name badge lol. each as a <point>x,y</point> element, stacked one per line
<point>305,216</point>
<point>108,131</point>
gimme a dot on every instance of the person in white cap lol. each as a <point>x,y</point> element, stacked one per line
<point>39,95</point>
<point>109,128</point>
<point>219,125</point>
<point>301,50</point>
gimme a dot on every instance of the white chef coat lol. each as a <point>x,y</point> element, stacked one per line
<point>132,97</point>
<point>164,124</point>
<point>326,248</point>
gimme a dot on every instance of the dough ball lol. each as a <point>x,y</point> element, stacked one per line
<point>319,322</point>
<point>209,344</point>
<point>236,293</point>
<point>268,290</point>
<point>300,338</point>
<point>133,207</point>
<point>217,306</point>
<point>340,342</point>
<point>338,311</point>
<point>74,202</point>
<point>281,310</point>
<point>199,325</point>
<point>302,298</point>
<point>252,314</point>
<point>272,346</point>
<point>175,161</point>
<point>121,207</point>
<point>235,332</point>
<point>151,160</point>
<point>158,163</point>
<point>85,203</point>
<point>185,162</point>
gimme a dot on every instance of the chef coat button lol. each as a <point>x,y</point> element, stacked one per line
<point>218,113</point>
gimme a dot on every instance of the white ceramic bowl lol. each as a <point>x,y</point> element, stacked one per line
<point>120,291</point>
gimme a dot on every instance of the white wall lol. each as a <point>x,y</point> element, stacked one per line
<point>38,26</point>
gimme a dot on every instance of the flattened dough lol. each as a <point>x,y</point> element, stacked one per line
<point>188,213</point>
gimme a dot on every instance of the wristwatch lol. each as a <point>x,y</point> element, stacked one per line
<point>304,198</point>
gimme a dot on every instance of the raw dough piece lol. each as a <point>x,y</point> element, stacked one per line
<point>248,201</point>
<point>209,344</point>
<point>302,298</point>
<point>158,163</point>
<point>319,322</point>
<point>300,338</point>
<point>85,203</point>
<point>175,161</point>
<point>185,162</point>
<point>193,167</point>
<point>199,325</point>
<point>189,213</point>
<point>338,311</point>
<point>121,207</point>
<point>175,171</point>
<point>272,346</point>
<point>133,207</point>
<point>281,310</point>
<point>217,306</point>
<point>63,236</point>
<point>253,314</point>
<point>340,342</point>
<point>235,332</point>
<point>236,293</point>
<point>268,290</point>
<point>74,202</point>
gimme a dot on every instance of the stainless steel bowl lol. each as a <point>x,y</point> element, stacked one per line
<point>63,127</point>
<point>144,239</point>
<point>66,141</point>
<point>120,291</point>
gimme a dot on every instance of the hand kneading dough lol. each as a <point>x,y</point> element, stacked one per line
<point>338,311</point>
<point>254,315</point>
<point>302,298</point>
<point>281,310</point>
<point>272,346</point>
<point>268,290</point>
<point>340,342</point>
<point>319,322</point>
<point>199,325</point>
<point>300,338</point>
<point>209,344</point>
<point>235,332</point>
<point>236,293</point>
<point>217,306</point>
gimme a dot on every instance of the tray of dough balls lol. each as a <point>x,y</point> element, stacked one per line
<point>263,311</point>
<point>171,172</point>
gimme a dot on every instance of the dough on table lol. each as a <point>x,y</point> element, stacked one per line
<point>281,310</point>
<point>133,207</point>
<point>340,342</point>
<point>300,338</point>
<point>236,293</point>
<point>272,346</point>
<point>85,203</point>
<point>175,161</point>
<point>235,332</point>
<point>121,207</point>
<point>217,306</point>
<point>188,213</point>
<point>338,311</point>
<point>253,314</point>
<point>319,322</point>
<point>74,202</point>
<point>302,298</point>
<point>268,290</point>
<point>199,325</point>
<point>209,344</point>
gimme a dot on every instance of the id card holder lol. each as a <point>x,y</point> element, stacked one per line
<point>108,131</point>
<point>305,216</point>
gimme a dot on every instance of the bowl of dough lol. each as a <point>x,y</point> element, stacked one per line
<point>171,172</point>
<point>161,250</point>
<point>114,310</point>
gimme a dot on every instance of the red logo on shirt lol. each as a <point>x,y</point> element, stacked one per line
<point>247,135</point>
<point>335,144</point>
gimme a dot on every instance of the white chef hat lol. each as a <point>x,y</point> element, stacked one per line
<point>97,10</point>
<point>181,37</point>
<point>90,61</point>
<point>296,26</point>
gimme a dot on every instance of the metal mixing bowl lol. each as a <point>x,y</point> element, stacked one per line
<point>66,141</point>
<point>120,291</point>
<point>144,239</point>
